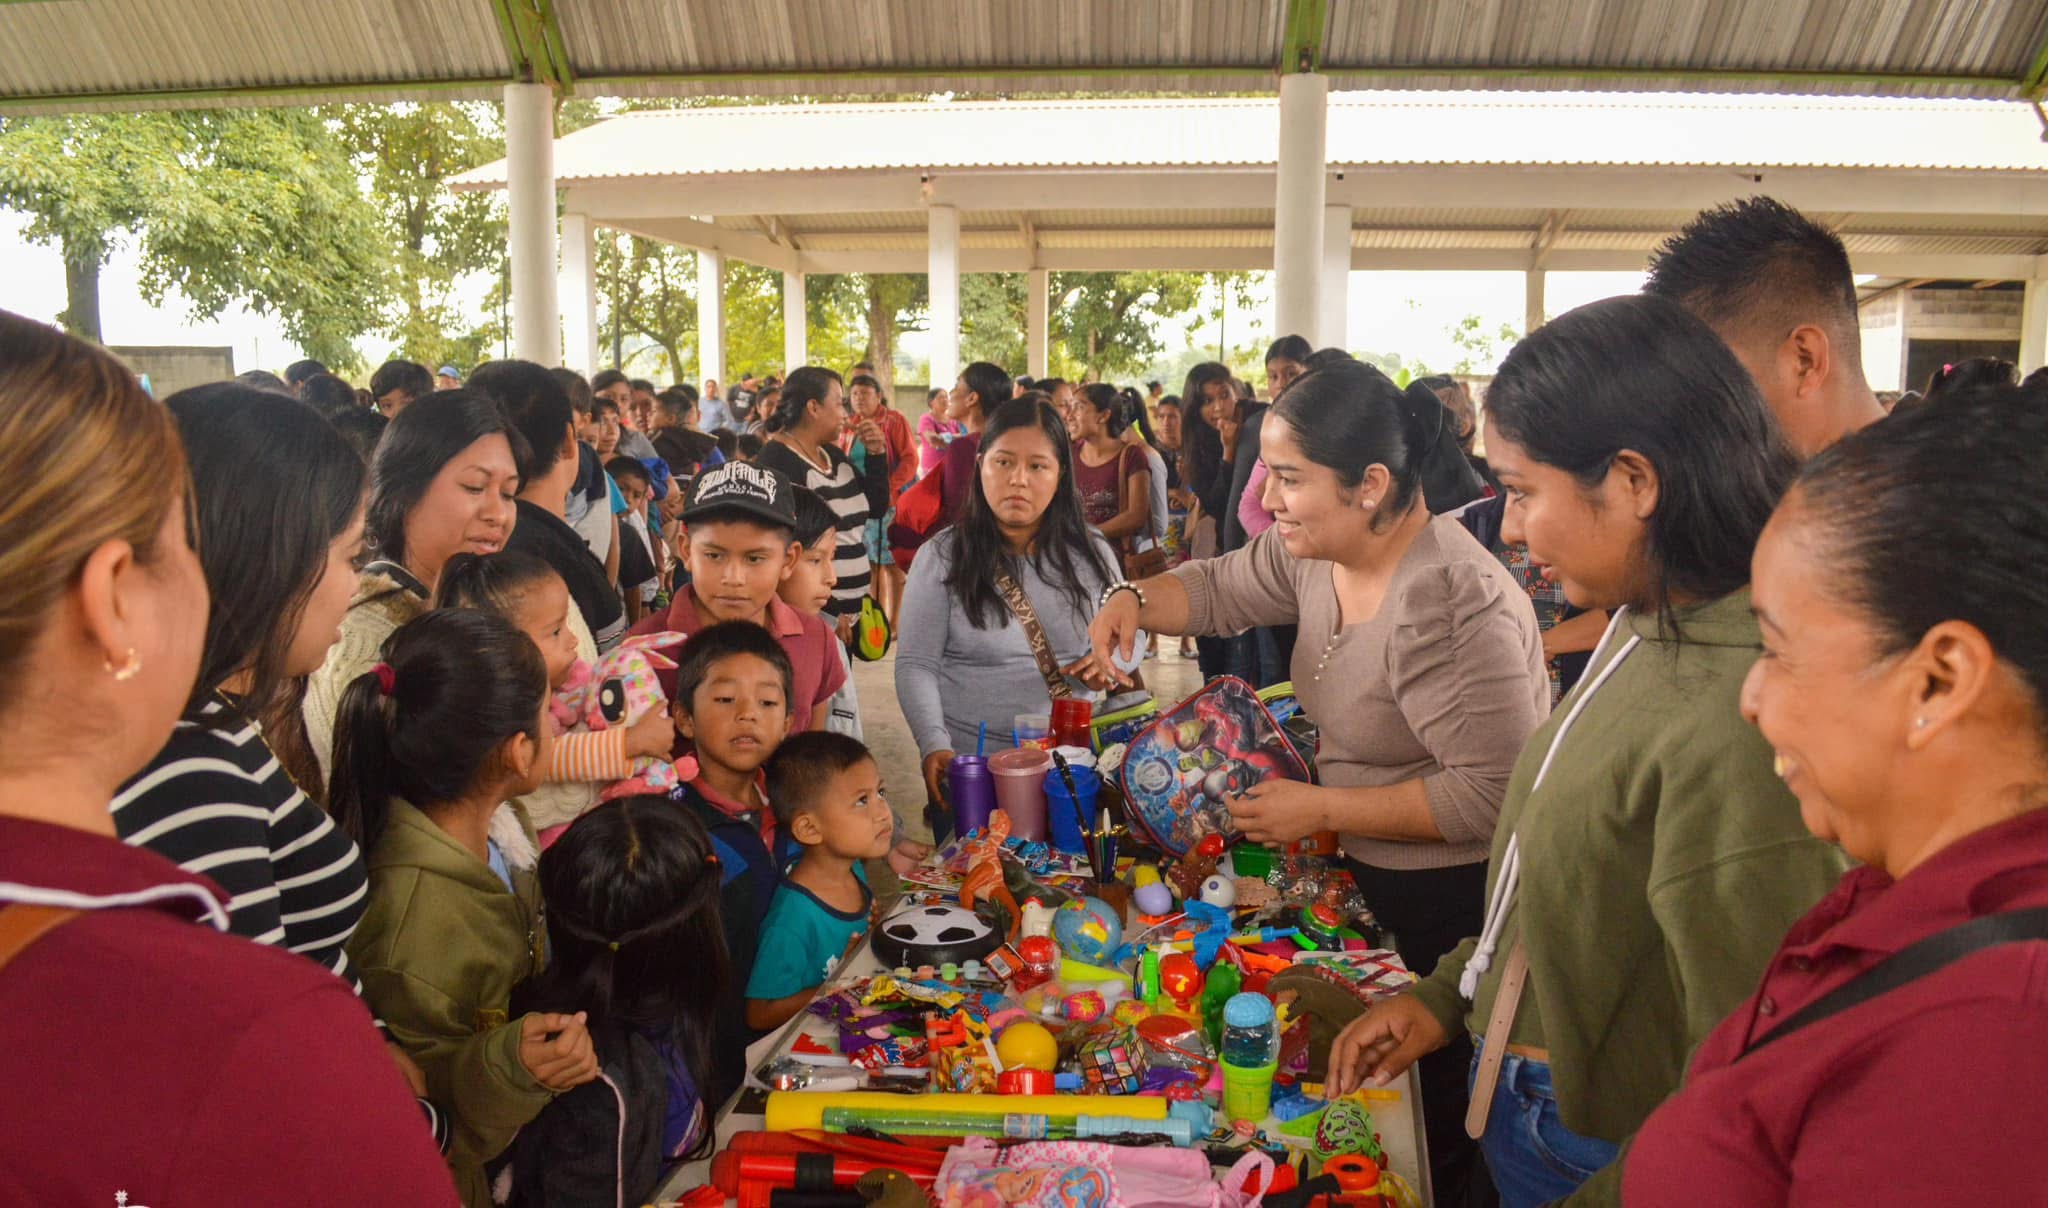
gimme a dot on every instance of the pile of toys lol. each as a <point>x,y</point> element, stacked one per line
<point>1182,998</point>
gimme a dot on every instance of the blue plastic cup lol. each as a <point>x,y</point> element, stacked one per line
<point>1062,822</point>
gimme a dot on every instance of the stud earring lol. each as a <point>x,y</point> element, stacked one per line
<point>129,668</point>
<point>1370,504</point>
<point>1919,723</point>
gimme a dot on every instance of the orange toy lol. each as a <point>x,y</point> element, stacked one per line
<point>984,879</point>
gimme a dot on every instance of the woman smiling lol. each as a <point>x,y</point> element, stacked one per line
<point>1904,701</point>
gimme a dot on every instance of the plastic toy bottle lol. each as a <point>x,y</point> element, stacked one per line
<point>1251,1056</point>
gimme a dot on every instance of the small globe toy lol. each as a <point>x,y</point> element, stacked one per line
<point>1088,930</point>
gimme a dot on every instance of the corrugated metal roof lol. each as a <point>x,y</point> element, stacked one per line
<point>1365,129</point>
<point>53,53</point>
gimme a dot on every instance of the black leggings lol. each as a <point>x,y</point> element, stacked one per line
<point>1431,911</point>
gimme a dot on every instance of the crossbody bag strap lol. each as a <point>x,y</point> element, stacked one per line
<point>1913,962</point>
<point>23,923</point>
<point>1034,634</point>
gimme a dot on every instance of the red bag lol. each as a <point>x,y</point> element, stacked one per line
<point>920,512</point>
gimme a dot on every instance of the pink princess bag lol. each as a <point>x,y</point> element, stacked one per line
<point>1090,1174</point>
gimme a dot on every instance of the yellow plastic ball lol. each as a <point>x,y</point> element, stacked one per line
<point>1028,1046</point>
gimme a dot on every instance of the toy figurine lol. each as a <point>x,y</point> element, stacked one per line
<point>1196,867</point>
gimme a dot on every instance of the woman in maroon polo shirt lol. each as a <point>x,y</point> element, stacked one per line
<point>1902,687</point>
<point>156,1058</point>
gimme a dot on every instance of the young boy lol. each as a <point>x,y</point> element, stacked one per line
<point>639,574</point>
<point>739,544</point>
<point>827,794</point>
<point>807,590</point>
<point>731,699</point>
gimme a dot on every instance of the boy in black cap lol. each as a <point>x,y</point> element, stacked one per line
<point>739,543</point>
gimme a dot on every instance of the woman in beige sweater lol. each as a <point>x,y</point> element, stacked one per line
<point>442,483</point>
<point>1418,657</point>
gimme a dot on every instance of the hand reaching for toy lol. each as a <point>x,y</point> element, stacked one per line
<point>652,736</point>
<point>1381,1044</point>
<point>906,855</point>
<point>1280,811</point>
<point>1092,671</point>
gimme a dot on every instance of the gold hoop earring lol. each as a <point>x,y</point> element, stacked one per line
<point>129,668</point>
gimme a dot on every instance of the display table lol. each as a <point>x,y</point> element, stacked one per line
<point>1396,1110</point>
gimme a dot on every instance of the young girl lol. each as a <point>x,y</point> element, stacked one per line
<point>430,745</point>
<point>635,941</point>
<point>526,591</point>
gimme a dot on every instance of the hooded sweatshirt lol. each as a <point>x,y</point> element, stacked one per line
<point>441,945</point>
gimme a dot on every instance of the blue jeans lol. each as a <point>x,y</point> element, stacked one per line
<point>1534,1158</point>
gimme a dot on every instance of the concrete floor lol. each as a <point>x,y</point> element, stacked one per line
<point>1170,677</point>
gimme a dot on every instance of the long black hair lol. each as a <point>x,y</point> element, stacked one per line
<point>537,405</point>
<point>807,385</point>
<point>634,934</point>
<point>1066,548</point>
<point>1349,416</point>
<point>1642,373</point>
<point>420,441</point>
<point>1936,515</point>
<point>1200,445</point>
<point>1106,399</point>
<point>461,683</point>
<point>990,385</point>
<point>272,488</point>
<point>1289,348</point>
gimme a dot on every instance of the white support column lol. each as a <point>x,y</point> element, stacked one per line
<point>944,266</point>
<point>579,294</point>
<point>530,202</point>
<point>1532,300</point>
<point>1333,321</point>
<point>1298,205</point>
<point>710,315</point>
<point>2034,327</point>
<point>795,323</point>
<point>1038,324</point>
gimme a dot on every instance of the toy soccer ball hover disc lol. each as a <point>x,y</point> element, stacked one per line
<point>934,935</point>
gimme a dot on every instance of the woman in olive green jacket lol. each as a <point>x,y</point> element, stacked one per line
<point>1647,860</point>
<point>431,743</point>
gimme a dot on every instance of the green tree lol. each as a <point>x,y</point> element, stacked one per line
<point>406,154</point>
<point>647,291</point>
<point>257,206</point>
<point>1104,324</point>
<point>1480,347</point>
<point>992,319</point>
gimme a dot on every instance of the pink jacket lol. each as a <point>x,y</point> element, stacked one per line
<point>1251,513</point>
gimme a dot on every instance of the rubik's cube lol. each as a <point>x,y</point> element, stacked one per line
<point>1109,1065</point>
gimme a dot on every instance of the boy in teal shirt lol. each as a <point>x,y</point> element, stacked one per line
<point>826,791</point>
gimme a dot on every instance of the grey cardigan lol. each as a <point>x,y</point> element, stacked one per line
<point>1444,684</point>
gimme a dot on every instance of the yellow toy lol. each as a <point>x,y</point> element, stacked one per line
<point>1029,1046</point>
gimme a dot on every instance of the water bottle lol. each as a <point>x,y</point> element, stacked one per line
<point>1250,1037</point>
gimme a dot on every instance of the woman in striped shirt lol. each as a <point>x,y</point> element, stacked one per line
<point>278,505</point>
<point>805,427</point>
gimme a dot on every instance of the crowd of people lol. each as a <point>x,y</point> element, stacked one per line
<point>423,794</point>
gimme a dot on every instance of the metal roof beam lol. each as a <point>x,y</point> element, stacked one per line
<point>1301,46</point>
<point>533,42</point>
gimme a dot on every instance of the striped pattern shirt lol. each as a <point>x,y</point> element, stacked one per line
<point>215,801</point>
<point>846,492</point>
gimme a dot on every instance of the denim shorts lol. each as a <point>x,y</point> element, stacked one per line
<point>1534,1158</point>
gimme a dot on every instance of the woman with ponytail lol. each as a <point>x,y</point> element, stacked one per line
<point>635,942</point>
<point>803,435</point>
<point>1418,655</point>
<point>431,744</point>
